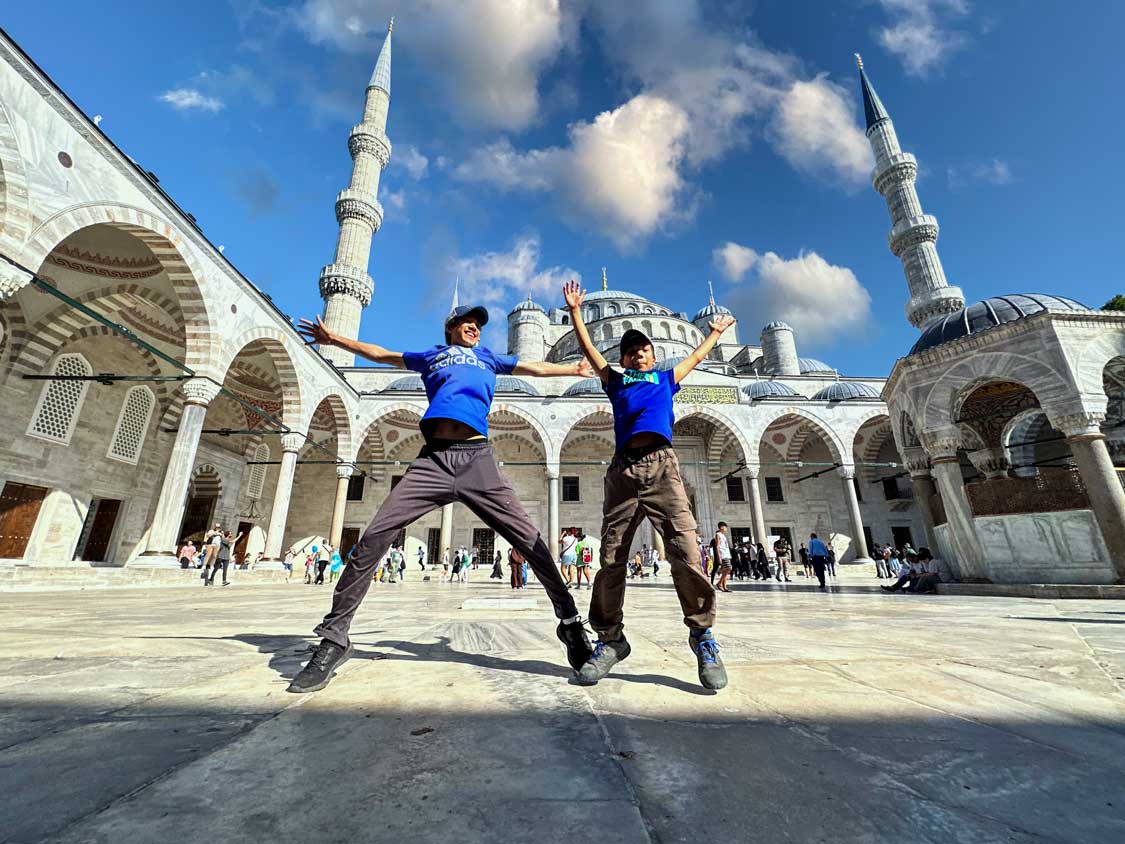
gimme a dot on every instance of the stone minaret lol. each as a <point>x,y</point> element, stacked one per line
<point>345,285</point>
<point>913,235</point>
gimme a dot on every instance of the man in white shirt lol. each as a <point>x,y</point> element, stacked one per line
<point>722,551</point>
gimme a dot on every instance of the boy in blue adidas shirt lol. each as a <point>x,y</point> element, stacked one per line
<point>643,481</point>
<point>456,464</point>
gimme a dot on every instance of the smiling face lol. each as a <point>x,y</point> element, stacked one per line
<point>641,357</point>
<point>465,332</point>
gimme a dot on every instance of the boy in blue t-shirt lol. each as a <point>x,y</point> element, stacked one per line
<point>456,464</point>
<point>643,481</point>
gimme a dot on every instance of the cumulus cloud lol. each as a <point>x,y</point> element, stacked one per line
<point>815,130</point>
<point>822,301</point>
<point>410,159</point>
<point>486,56</point>
<point>995,171</point>
<point>394,199</point>
<point>921,32</point>
<point>191,99</point>
<point>619,173</point>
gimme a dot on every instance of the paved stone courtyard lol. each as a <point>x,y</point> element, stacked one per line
<point>161,715</point>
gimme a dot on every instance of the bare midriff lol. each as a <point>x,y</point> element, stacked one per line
<point>645,439</point>
<point>451,429</point>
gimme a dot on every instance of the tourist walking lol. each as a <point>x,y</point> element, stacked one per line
<point>515,563</point>
<point>323,558</point>
<point>421,558</point>
<point>831,561</point>
<point>818,555</point>
<point>222,557</point>
<point>805,564</point>
<point>567,556</point>
<point>211,542</point>
<point>497,567</point>
<point>335,565</point>
<point>783,550</point>
<point>722,550</point>
<point>643,480</point>
<point>287,564</point>
<point>585,561</point>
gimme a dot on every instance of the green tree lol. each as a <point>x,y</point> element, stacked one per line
<point>1117,303</point>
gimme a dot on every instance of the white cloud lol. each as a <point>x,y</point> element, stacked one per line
<point>619,174</point>
<point>995,171</point>
<point>815,130</point>
<point>394,199</point>
<point>486,55</point>
<point>734,260</point>
<point>190,99</point>
<point>823,302</point>
<point>920,32</point>
<point>409,158</point>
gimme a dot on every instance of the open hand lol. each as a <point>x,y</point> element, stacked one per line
<point>721,323</point>
<point>315,332</point>
<point>584,369</point>
<point>573,293</point>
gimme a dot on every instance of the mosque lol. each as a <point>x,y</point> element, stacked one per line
<point>152,389</point>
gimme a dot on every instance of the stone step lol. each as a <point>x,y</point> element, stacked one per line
<point>1050,591</point>
<point>33,578</point>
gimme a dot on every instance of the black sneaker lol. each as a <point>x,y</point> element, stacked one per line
<point>577,643</point>
<point>712,674</point>
<point>605,656</point>
<point>322,666</point>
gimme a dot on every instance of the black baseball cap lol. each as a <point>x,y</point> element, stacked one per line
<point>633,338</point>
<point>479,312</point>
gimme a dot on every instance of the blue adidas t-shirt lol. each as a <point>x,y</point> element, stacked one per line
<point>459,382</point>
<point>642,403</point>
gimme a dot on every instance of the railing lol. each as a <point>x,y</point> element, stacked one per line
<point>1049,491</point>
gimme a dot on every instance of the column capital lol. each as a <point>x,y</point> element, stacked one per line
<point>993,463</point>
<point>916,461</point>
<point>941,443</point>
<point>200,391</point>
<point>345,471</point>
<point>753,471</point>
<point>553,471</point>
<point>292,442</point>
<point>1087,423</point>
<point>12,281</point>
<point>846,472</point>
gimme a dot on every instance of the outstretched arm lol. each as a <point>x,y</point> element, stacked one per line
<point>718,325</point>
<point>317,332</point>
<point>541,368</point>
<point>573,293</point>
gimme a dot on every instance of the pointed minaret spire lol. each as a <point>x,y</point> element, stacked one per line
<point>345,285</point>
<point>913,237</point>
<point>710,294</point>
<point>605,282</point>
<point>456,295</point>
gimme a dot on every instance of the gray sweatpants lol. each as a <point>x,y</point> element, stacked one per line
<point>465,472</point>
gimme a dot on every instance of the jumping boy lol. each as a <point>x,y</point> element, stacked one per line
<point>456,464</point>
<point>643,481</point>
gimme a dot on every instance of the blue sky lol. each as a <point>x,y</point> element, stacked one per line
<point>644,137</point>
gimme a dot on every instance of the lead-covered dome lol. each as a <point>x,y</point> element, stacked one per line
<point>528,305</point>
<point>504,384</point>
<point>847,391</point>
<point>813,366</point>
<point>585,387</point>
<point>710,310</point>
<point>769,390</point>
<point>999,310</point>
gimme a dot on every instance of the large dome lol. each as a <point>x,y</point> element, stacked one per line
<point>989,313</point>
<point>600,295</point>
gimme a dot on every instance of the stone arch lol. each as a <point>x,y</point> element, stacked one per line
<point>14,198</point>
<point>866,447</point>
<point>495,435</point>
<point>850,433</point>
<point>940,406</point>
<point>720,421</point>
<point>174,252</point>
<point>276,346</point>
<point>824,429</point>
<point>550,447</point>
<point>371,440</point>
<point>205,481</point>
<point>1095,356</point>
<point>345,449</point>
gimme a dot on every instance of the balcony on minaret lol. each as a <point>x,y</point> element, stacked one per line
<point>346,280</point>
<point>369,138</point>
<point>911,231</point>
<point>900,167</point>
<point>356,205</point>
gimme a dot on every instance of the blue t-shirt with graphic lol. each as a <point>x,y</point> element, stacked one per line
<point>642,402</point>
<point>459,382</point>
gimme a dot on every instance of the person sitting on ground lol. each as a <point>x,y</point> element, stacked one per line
<point>187,554</point>
<point>907,570</point>
<point>936,571</point>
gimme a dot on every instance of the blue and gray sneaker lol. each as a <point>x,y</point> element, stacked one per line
<point>605,656</point>
<point>712,674</point>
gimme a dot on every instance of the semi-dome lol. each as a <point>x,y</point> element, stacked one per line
<point>528,305</point>
<point>812,366</point>
<point>847,391</point>
<point>989,313</point>
<point>504,384</point>
<point>585,387</point>
<point>769,390</point>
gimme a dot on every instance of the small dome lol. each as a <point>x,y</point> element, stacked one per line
<point>407,384</point>
<point>777,325</point>
<point>527,305</point>
<point>670,363</point>
<point>809,366</point>
<point>585,387</point>
<point>846,391</point>
<point>769,390</point>
<point>511,384</point>
<point>709,311</point>
<point>989,313</point>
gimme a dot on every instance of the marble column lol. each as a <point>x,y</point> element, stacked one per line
<point>1103,487</point>
<point>942,448</point>
<point>446,531</point>
<point>290,444</point>
<point>859,541</point>
<point>336,532</point>
<point>756,515</point>
<point>553,528</point>
<point>917,462</point>
<point>169,515</point>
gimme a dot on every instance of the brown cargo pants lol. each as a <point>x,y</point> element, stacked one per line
<point>648,487</point>
<point>465,472</point>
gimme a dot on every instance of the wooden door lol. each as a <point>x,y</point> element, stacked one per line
<point>348,538</point>
<point>240,546</point>
<point>19,508</point>
<point>101,531</point>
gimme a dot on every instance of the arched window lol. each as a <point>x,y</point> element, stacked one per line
<point>614,310</point>
<point>60,402</point>
<point>566,320</point>
<point>649,309</point>
<point>646,327</point>
<point>665,330</point>
<point>683,333</point>
<point>132,425</point>
<point>626,325</point>
<point>609,331</point>
<point>632,309</point>
<point>257,480</point>
<point>595,313</point>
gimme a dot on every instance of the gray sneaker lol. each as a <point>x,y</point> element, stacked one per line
<point>712,674</point>
<point>605,656</point>
<point>321,668</point>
